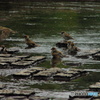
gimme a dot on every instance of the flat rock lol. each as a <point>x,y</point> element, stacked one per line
<point>54,70</point>
<point>63,77</point>
<point>16,92</point>
<point>29,72</point>
<point>6,92</point>
<point>95,86</point>
<point>24,92</point>
<point>43,75</point>
<point>9,59</point>
<point>86,54</point>
<point>22,64</point>
<point>16,98</point>
<point>35,58</point>
<point>37,68</point>
<point>5,55</point>
<point>62,45</point>
<point>38,98</point>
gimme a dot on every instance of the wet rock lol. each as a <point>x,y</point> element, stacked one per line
<point>28,72</point>
<point>87,54</point>
<point>5,55</point>
<point>83,56</point>
<point>6,92</point>
<point>16,98</point>
<point>81,71</point>
<point>83,98</point>
<point>63,77</point>
<point>13,50</point>
<point>96,56</point>
<point>9,59</point>
<point>22,74</point>
<point>36,58</point>
<point>38,98</point>
<point>28,61</point>
<point>74,73</point>
<point>95,87</point>
<point>22,64</point>
<point>43,75</point>
<point>23,92</point>
<point>3,65</point>
<point>54,70</point>
<point>37,68</point>
<point>62,45</point>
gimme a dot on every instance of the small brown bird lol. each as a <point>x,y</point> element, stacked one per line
<point>73,49</point>
<point>56,59</point>
<point>66,36</point>
<point>56,54</point>
<point>29,42</point>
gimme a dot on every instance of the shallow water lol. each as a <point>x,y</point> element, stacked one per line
<point>43,22</point>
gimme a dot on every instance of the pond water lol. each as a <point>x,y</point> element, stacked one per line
<point>43,22</point>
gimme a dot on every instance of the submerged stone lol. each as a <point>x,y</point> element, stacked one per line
<point>62,45</point>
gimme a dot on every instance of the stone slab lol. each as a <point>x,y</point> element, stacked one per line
<point>95,86</point>
<point>29,72</point>
<point>5,55</point>
<point>9,59</point>
<point>63,77</point>
<point>22,64</point>
<point>23,92</point>
<point>35,58</point>
<point>9,92</point>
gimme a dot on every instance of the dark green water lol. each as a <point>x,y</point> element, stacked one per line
<point>43,21</point>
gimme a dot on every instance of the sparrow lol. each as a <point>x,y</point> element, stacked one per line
<point>66,36</point>
<point>72,50</point>
<point>56,54</point>
<point>29,42</point>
